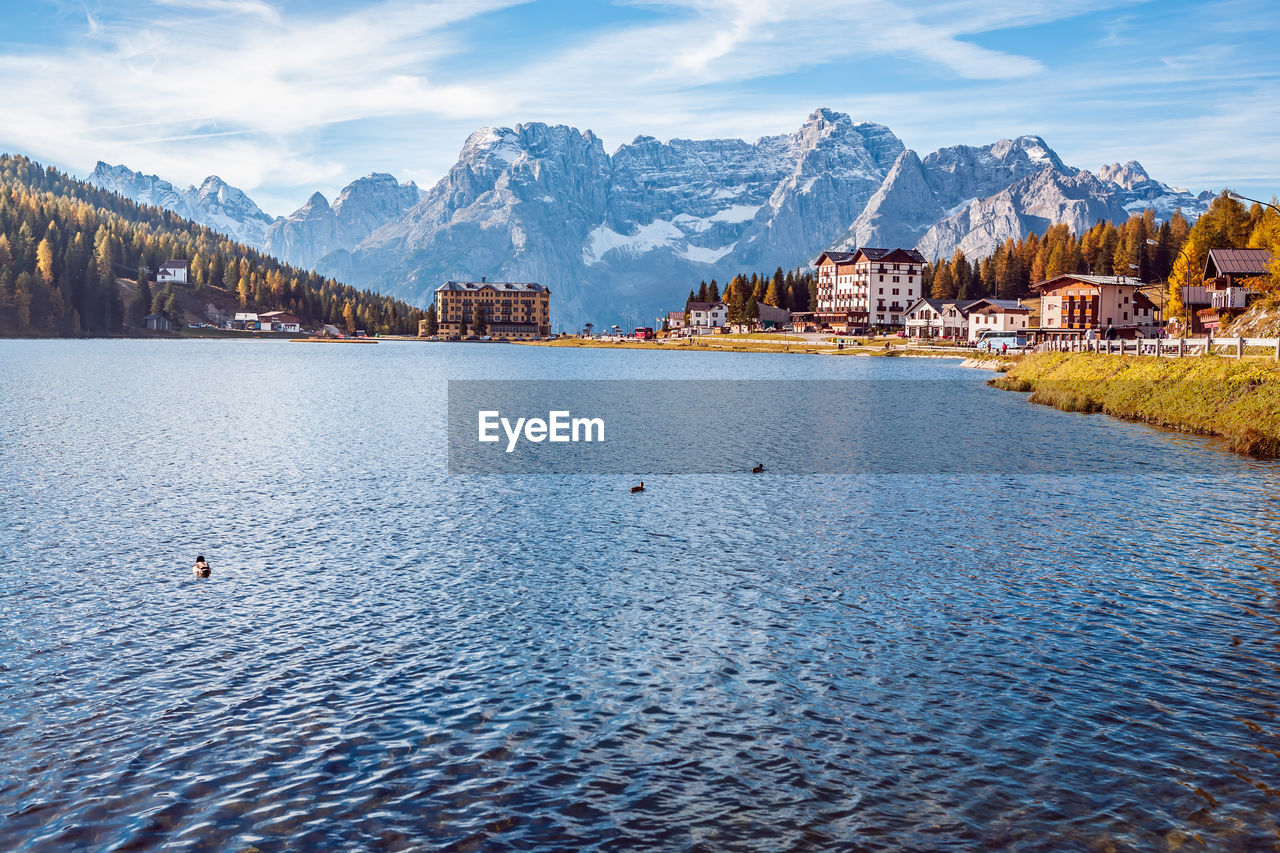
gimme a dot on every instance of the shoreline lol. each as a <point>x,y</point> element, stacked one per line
<point>741,344</point>
<point>1237,400</point>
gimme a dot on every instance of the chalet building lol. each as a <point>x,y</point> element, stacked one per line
<point>1073,303</point>
<point>245,320</point>
<point>769,318</point>
<point>995,316</point>
<point>1228,287</point>
<point>517,310</point>
<point>772,317</point>
<point>869,287</point>
<point>172,272</point>
<point>279,321</point>
<point>158,323</point>
<point>675,320</point>
<point>938,318</point>
<point>708,315</point>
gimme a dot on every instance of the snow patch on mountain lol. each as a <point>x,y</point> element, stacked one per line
<point>214,203</point>
<point>624,235</point>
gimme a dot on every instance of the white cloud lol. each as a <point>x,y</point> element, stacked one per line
<point>281,102</point>
<point>216,90</point>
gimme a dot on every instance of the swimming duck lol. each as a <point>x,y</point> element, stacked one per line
<point>759,469</point>
<point>639,488</point>
<point>202,569</point>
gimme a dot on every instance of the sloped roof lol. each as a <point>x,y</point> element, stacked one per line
<point>1107,280</point>
<point>838,257</point>
<point>705,306</point>
<point>500,286</point>
<point>935,304</point>
<point>1236,262</point>
<point>1006,305</point>
<point>909,255</point>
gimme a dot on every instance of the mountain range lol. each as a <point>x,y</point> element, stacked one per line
<point>620,237</point>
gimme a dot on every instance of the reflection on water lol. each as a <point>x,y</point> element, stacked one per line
<point>387,657</point>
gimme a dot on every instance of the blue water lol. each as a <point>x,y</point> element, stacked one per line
<point>387,657</point>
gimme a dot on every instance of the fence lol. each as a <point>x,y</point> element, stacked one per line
<point>1168,347</point>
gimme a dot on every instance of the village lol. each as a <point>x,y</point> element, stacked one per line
<point>878,292</point>
<point>868,296</point>
<point>876,295</point>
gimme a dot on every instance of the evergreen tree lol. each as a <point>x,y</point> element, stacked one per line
<point>944,286</point>
<point>433,321</point>
<point>44,261</point>
<point>477,320</point>
<point>140,304</point>
<point>773,296</point>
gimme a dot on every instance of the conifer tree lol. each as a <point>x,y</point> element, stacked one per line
<point>773,296</point>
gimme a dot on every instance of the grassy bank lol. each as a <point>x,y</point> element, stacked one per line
<point>1238,400</point>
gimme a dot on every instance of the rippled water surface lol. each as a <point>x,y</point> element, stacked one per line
<point>387,657</point>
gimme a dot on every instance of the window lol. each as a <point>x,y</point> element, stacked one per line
<point>895,291</point>
<point>882,289</point>
<point>895,278</point>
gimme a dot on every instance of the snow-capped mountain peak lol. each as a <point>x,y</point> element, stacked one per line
<point>215,203</point>
<point>626,234</point>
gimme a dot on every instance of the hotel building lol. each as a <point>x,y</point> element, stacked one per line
<point>869,287</point>
<point>517,310</point>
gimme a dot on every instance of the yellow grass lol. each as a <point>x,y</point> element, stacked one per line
<point>1238,400</point>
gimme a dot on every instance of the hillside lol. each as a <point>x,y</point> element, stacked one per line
<point>65,243</point>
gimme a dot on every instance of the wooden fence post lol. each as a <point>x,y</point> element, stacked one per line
<point>1240,347</point>
<point>1182,347</point>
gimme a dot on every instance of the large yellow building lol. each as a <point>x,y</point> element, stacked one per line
<point>516,310</point>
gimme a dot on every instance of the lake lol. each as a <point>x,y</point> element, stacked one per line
<point>390,657</point>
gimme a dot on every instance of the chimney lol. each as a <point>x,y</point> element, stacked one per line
<point>482,279</point>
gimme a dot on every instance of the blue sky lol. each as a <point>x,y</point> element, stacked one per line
<point>282,98</point>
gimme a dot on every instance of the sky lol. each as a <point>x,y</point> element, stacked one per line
<point>282,98</point>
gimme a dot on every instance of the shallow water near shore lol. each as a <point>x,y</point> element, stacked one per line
<point>388,657</point>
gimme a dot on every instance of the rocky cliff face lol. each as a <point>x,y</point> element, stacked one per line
<point>1030,204</point>
<point>618,237</point>
<point>214,203</point>
<point>622,237</point>
<point>316,229</point>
